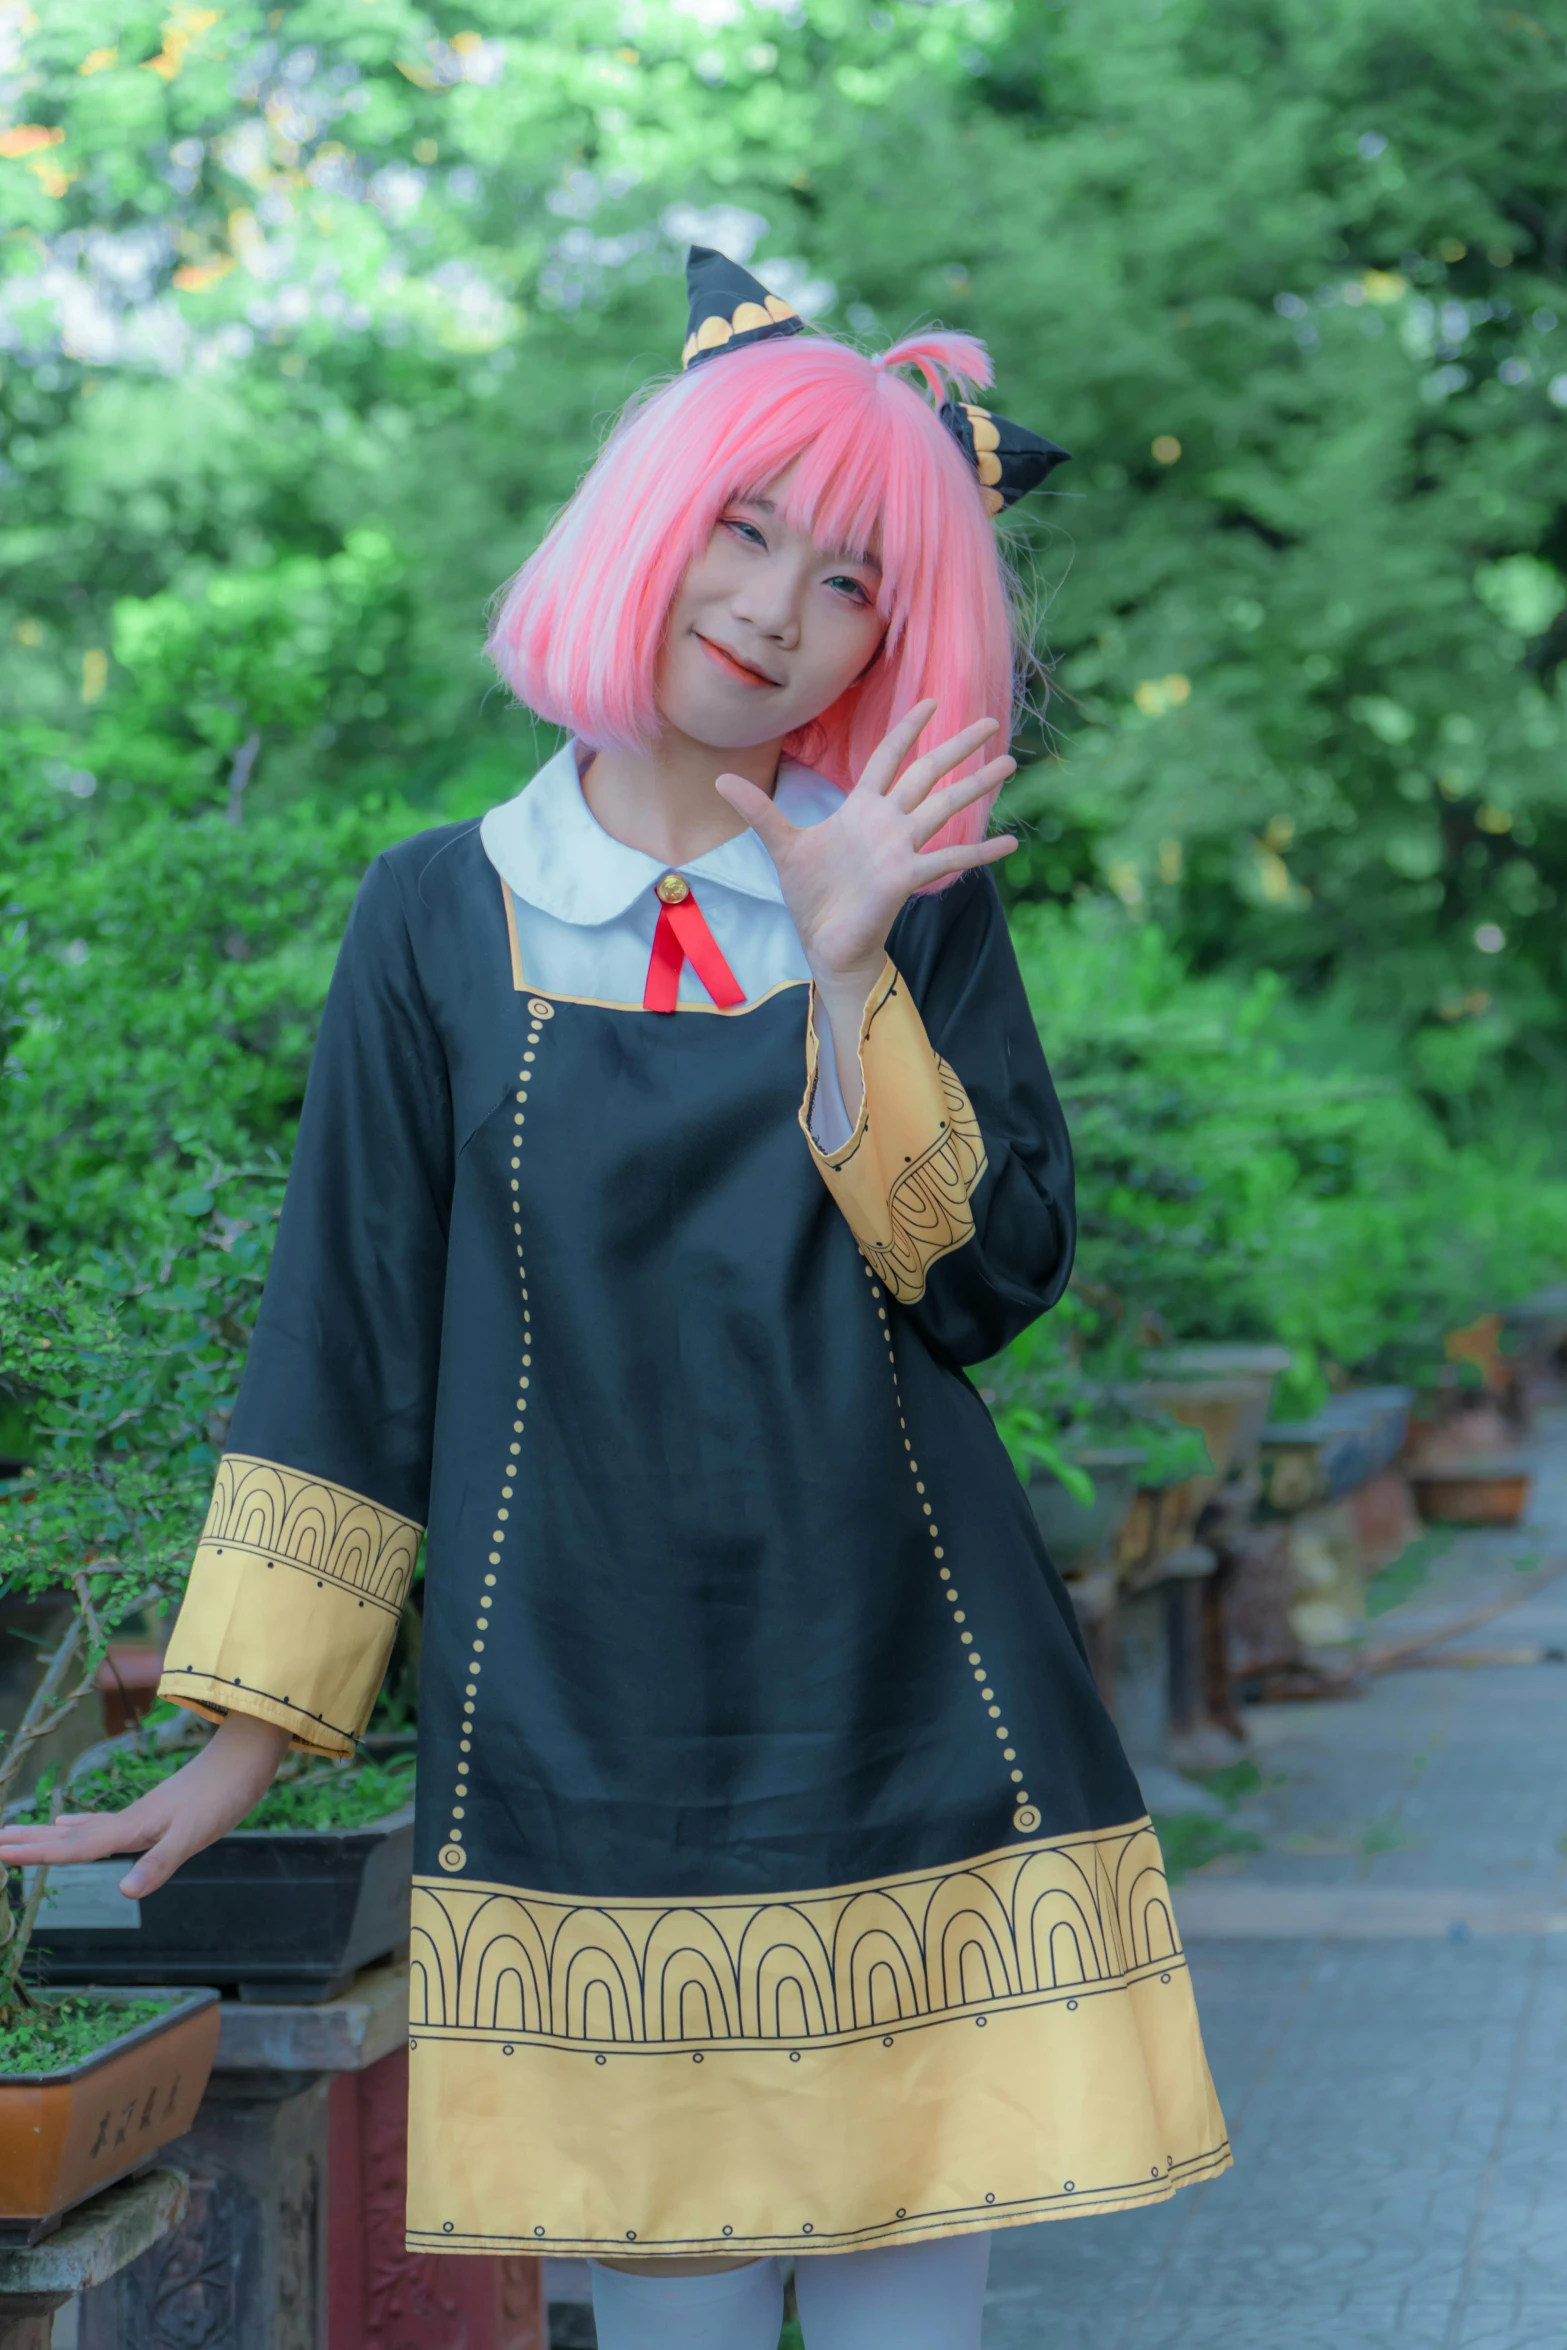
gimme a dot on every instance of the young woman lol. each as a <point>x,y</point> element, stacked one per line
<point>674,1138</point>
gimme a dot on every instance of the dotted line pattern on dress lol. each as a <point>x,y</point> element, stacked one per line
<point>1025,1816</point>
<point>452,1856</point>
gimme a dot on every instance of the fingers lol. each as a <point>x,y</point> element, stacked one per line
<point>74,1836</point>
<point>941,806</point>
<point>755,805</point>
<point>881,768</point>
<point>159,1862</point>
<point>916,781</point>
<point>100,1835</point>
<point>940,862</point>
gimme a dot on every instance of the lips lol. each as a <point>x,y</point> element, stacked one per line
<point>731,663</point>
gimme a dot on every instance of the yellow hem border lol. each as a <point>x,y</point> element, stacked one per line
<point>917,2227</point>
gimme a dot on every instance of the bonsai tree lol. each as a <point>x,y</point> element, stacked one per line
<point>116,1386</point>
<point>104,1516</point>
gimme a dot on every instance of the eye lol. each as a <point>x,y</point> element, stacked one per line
<point>843,584</point>
<point>746,532</point>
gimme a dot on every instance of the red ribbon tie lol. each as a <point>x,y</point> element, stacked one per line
<point>682,937</point>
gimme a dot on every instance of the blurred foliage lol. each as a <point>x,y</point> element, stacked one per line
<point>311,317</point>
<point>314,315</point>
<point>109,1508</point>
<point>1230,1189</point>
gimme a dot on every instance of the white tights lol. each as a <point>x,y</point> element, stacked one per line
<point>903,2297</point>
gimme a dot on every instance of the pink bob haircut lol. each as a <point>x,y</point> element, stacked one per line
<point>578,630</point>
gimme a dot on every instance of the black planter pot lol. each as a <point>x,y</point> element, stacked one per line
<point>278,1914</point>
<point>286,1913</point>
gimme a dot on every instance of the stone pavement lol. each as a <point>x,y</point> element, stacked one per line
<point>1384,1995</point>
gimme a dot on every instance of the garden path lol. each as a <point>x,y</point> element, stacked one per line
<point>1384,1993</point>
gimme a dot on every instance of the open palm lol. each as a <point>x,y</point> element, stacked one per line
<point>844,880</point>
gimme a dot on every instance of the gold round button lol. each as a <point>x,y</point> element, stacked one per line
<point>452,1857</point>
<point>673,890</point>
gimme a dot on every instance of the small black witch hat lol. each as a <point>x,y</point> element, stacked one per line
<point>730,308</point>
<point>1009,459</point>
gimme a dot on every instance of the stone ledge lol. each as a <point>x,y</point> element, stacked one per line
<point>99,2238</point>
<point>344,2035</point>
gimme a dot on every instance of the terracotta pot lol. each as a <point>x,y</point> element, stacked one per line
<point>1229,1412</point>
<point>1483,1491</point>
<point>1161,1519</point>
<point>1468,1427</point>
<point>1138,1529</point>
<point>1256,1367</point>
<point>66,2134</point>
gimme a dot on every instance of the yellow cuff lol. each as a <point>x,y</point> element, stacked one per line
<point>291,1606</point>
<point>905,1177</point>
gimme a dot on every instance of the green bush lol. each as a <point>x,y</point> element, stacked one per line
<point>1237,1183</point>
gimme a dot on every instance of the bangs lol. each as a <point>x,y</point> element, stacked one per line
<point>867,471</point>
<point>835,494</point>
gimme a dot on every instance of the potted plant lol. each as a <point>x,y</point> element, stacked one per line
<point>1228,1413</point>
<point>1080,1487</point>
<point>1091,1460</point>
<point>313,1885</point>
<point>91,2087</point>
<point>91,2084</point>
<point>1472,1490</point>
<point>1229,1390</point>
<point>1351,1439</point>
<point>1175,1480</point>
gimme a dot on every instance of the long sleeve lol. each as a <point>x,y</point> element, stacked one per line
<point>319,1505</point>
<point>957,1179</point>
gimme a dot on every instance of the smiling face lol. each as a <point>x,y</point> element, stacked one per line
<point>767,630</point>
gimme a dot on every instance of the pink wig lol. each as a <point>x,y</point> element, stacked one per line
<point>578,632</point>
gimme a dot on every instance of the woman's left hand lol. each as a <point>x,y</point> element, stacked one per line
<point>844,880</point>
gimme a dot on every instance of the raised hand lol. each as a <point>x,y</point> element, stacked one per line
<point>845,880</point>
<point>190,1810</point>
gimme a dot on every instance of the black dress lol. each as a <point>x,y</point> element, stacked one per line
<point>781,1884</point>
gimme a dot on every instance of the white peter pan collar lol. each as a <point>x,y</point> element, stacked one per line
<point>552,852</point>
